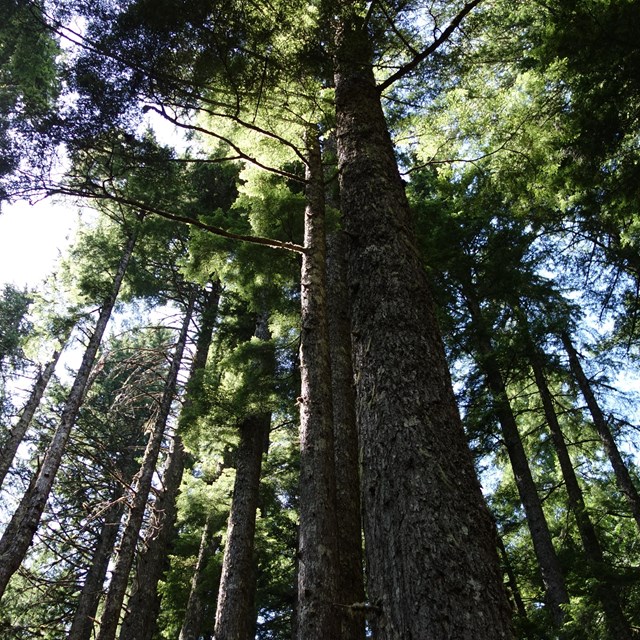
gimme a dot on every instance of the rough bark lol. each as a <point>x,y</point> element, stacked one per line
<point>19,533</point>
<point>142,485</point>
<point>617,624</point>
<point>143,607</point>
<point>235,617</point>
<point>552,575</point>
<point>84,617</point>
<point>196,606</point>
<point>20,429</point>
<point>430,542</point>
<point>317,549</point>
<point>623,477</point>
<point>345,432</point>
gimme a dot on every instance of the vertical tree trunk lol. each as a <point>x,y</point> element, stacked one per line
<point>20,429</point>
<point>350,578</point>
<point>552,575</point>
<point>195,612</point>
<point>84,618</point>
<point>143,607</point>
<point>19,533</point>
<point>623,477</point>
<point>617,624</point>
<point>317,548</point>
<point>235,616</point>
<point>512,581</point>
<point>142,485</point>
<point>432,560</point>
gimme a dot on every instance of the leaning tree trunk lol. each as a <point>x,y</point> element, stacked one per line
<point>196,606</point>
<point>316,616</point>
<point>345,432</point>
<point>623,477</point>
<point>143,607</point>
<point>8,452</point>
<point>430,541</point>
<point>617,624</point>
<point>19,533</point>
<point>235,616</point>
<point>84,617</point>
<point>117,589</point>
<point>552,575</point>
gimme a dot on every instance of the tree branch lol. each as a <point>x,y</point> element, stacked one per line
<point>421,57</point>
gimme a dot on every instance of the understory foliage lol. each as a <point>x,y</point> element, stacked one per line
<point>185,128</point>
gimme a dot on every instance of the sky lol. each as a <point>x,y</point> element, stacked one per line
<point>32,238</point>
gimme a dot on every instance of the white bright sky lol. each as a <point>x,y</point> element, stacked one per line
<point>32,238</point>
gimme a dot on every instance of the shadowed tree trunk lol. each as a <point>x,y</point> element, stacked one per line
<point>617,624</point>
<point>623,477</point>
<point>235,615</point>
<point>19,533</point>
<point>142,485</point>
<point>84,618</point>
<point>430,541</point>
<point>18,432</point>
<point>552,576</point>
<point>350,578</point>
<point>317,616</point>
<point>143,607</point>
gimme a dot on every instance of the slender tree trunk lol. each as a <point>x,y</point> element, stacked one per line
<point>18,432</point>
<point>512,581</point>
<point>196,606</point>
<point>552,575</point>
<point>617,624</point>
<point>350,578</point>
<point>142,484</point>
<point>143,607</point>
<point>317,547</point>
<point>430,542</point>
<point>235,615</point>
<point>623,477</point>
<point>84,618</point>
<point>19,533</point>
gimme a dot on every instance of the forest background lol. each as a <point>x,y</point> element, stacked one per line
<point>218,422</point>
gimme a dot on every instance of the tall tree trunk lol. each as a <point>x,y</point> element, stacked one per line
<point>623,477</point>
<point>512,581</point>
<point>143,607</point>
<point>617,624</point>
<point>142,485</point>
<point>19,533</point>
<point>18,432</point>
<point>552,575</point>
<point>317,547</point>
<point>350,578</point>
<point>195,613</point>
<point>235,615</point>
<point>430,542</point>
<point>84,617</point>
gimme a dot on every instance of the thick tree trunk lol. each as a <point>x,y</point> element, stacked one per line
<point>345,431</point>
<point>552,575</point>
<point>432,560</point>
<point>19,533</point>
<point>143,606</point>
<point>84,618</point>
<point>197,606</point>
<point>235,615</point>
<point>317,548</point>
<point>617,624</point>
<point>142,485</point>
<point>623,477</point>
<point>18,432</point>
